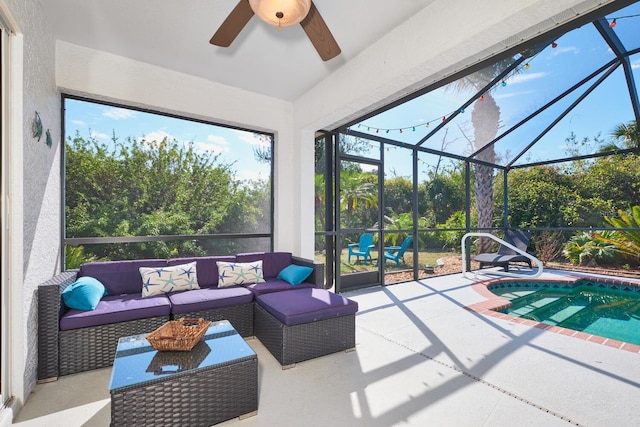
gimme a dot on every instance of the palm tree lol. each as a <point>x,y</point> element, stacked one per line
<point>625,242</point>
<point>355,190</point>
<point>485,119</point>
<point>629,134</point>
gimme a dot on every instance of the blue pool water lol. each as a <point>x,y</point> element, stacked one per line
<point>611,311</point>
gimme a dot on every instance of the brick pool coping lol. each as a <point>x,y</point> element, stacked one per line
<point>494,303</point>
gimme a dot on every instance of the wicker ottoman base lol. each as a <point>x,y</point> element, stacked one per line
<point>293,344</point>
<point>194,389</point>
<point>201,399</point>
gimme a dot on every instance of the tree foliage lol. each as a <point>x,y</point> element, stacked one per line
<point>150,188</point>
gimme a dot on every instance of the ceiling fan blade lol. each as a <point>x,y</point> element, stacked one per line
<point>232,26</point>
<point>319,34</point>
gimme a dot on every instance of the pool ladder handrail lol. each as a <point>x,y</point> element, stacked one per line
<point>502,242</point>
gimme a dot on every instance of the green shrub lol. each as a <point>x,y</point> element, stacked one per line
<point>584,248</point>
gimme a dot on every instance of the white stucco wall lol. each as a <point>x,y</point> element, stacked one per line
<point>40,199</point>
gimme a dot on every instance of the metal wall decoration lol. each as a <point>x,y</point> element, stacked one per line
<point>36,126</point>
<point>36,129</point>
<point>49,140</point>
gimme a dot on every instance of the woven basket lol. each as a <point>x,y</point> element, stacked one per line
<point>178,335</point>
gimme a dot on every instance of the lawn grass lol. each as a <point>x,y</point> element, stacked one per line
<point>428,257</point>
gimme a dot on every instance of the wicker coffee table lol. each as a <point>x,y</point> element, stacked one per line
<point>216,381</point>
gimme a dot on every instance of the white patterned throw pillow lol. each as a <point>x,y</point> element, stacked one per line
<point>160,280</point>
<point>239,273</point>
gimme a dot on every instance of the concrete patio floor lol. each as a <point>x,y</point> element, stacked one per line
<point>421,359</point>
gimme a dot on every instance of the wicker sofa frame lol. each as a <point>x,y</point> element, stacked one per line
<point>77,350</point>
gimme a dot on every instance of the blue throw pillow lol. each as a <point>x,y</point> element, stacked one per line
<point>295,274</point>
<point>84,294</point>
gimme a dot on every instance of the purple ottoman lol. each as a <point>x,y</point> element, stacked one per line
<point>302,324</point>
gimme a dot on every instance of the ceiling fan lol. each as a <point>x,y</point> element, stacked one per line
<point>280,13</point>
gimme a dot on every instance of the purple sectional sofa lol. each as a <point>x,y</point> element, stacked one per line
<point>71,340</point>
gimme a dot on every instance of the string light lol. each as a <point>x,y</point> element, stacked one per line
<point>614,20</point>
<point>442,119</point>
<point>526,66</point>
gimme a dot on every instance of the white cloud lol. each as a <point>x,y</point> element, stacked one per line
<point>635,65</point>
<point>251,175</point>
<point>78,122</point>
<point>99,135</point>
<point>215,143</point>
<point>368,168</point>
<point>157,136</point>
<point>526,77</point>
<point>513,94</point>
<point>219,140</point>
<point>253,138</point>
<point>562,50</point>
<point>118,113</point>
<point>207,147</point>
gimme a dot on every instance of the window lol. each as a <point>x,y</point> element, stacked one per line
<point>141,184</point>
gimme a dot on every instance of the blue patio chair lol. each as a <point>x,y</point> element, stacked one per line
<point>363,246</point>
<point>396,253</point>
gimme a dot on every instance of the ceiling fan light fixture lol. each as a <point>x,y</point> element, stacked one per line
<point>281,13</point>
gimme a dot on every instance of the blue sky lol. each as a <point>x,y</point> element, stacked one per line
<point>548,74</point>
<point>101,121</point>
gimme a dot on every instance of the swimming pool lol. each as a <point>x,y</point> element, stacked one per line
<point>590,306</point>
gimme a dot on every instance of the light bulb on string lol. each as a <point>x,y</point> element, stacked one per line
<point>554,45</point>
<point>504,84</point>
<point>527,66</point>
<point>613,23</point>
<point>482,98</point>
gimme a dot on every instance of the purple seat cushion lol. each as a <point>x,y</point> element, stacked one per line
<point>117,308</point>
<point>276,285</point>
<point>272,262</point>
<point>307,305</point>
<point>206,268</point>
<point>120,277</point>
<point>209,298</point>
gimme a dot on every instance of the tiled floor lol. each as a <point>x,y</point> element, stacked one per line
<point>421,359</point>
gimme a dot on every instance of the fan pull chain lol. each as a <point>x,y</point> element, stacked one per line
<point>279,15</point>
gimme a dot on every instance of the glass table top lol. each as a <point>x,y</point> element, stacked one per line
<point>137,362</point>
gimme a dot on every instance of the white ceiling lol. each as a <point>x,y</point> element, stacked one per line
<point>175,34</point>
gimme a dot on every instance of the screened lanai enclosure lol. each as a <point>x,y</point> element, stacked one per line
<point>543,137</point>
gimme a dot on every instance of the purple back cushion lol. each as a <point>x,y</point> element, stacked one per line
<point>206,268</point>
<point>272,262</point>
<point>120,277</point>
